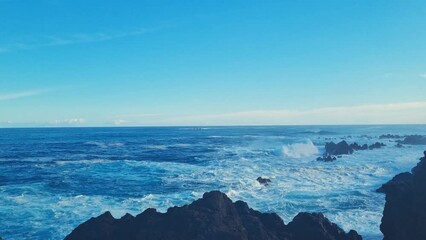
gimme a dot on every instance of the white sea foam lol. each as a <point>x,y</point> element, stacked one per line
<point>299,150</point>
<point>104,144</point>
<point>83,161</point>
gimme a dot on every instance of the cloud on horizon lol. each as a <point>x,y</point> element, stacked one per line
<point>71,121</point>
<point>394,113</point>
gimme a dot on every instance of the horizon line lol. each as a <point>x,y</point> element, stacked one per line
<point>212,126</point>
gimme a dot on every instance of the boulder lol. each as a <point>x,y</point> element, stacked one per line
<point>213,217</point>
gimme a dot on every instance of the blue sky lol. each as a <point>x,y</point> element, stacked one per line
<point>217,62</point>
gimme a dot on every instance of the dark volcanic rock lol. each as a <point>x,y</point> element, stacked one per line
<point>314,226</point>
<point>340,148</point>
<point>404,216</point>
<point>213,217</point>
<point>328,158</point>
<point>414,140</point>
<point>376,145</point>
<point>343,148</point>
<point>264,181</point>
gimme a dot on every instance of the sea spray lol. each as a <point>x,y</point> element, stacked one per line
<point>299,150</point>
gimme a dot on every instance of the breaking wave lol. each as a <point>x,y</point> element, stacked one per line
<point>299,150</point>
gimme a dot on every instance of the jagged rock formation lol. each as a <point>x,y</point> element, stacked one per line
<point>404,216</point>
<point>213,217</point>
<point>340,148</point>
<point>343,148</point>
<point>357,147</point>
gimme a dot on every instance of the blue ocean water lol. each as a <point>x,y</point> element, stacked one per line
<point>53,179</point>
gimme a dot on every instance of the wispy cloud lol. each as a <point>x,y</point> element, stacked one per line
<point>422,75</point>
<point>69,39</point>
<point>118,122</point>
<point>23,94</point>
<point>410,112</point>
<point>392,113</point>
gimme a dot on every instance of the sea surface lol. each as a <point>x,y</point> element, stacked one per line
<point>53,179</point>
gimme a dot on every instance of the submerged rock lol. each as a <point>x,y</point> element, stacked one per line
<point>213,217</point>
<point>264,181</point>
<point>328,158</point>
<point>404,216</point>
<point>414,140</point>
<point>399,145</point>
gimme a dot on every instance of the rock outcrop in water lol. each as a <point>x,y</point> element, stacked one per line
<point>264,181</point>
<point>340,148</point>
<point>376,145</point>
<point>343,148</point>
<point>326,158</point>
<point>357,147</point>
<point>414,140</point>
<point>390,136</point>
<point>213,217</point>
<point>404,216</point>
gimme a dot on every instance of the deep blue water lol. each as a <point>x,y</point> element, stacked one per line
<point>53,179</point>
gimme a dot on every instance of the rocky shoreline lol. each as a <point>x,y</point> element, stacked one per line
<point>215,216</point>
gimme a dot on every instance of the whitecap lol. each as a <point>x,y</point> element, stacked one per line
<point>104,145</point>
<point>158,147</point>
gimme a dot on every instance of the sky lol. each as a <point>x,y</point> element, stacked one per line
<point>211,62</point>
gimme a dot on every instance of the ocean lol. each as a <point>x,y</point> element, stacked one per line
<point>53,179</point>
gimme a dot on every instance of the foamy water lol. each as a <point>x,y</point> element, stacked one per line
<point>51,180</point>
